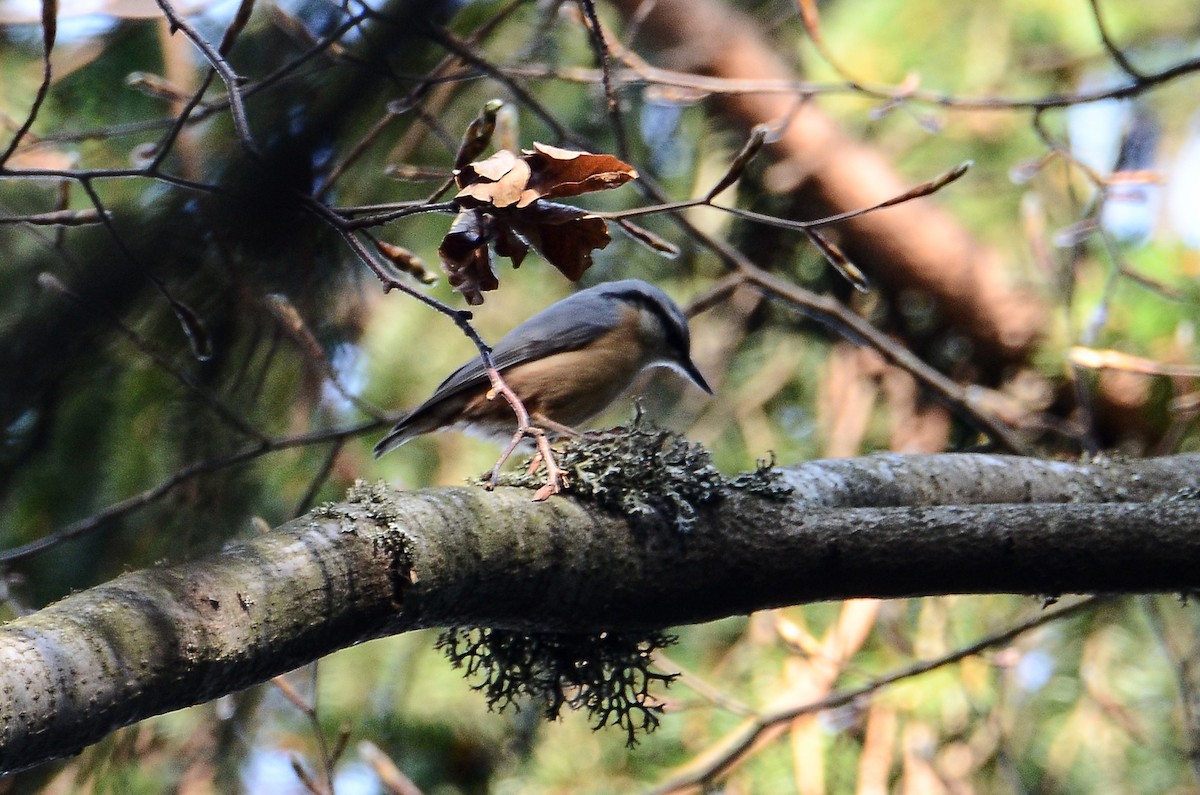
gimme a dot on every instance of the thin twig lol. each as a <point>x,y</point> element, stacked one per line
<point>962,400</point>
<point>394,109</point>
<point>1115,52</point>
<point>233,82</point>
<point>604,58</point>
<point>137,501</point>
<point>55,218</point>
<point>49,30</point>
<point>644,74</point>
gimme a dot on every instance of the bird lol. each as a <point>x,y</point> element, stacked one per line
<point>567,363</point>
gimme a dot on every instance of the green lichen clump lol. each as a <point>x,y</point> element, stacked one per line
<point>370,501</point>
<point>607,673</point>
<point>648,474</point>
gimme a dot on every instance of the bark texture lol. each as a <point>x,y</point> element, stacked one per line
<point>386,562</point>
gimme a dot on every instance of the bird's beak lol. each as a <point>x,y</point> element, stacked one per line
<point>693,373</point>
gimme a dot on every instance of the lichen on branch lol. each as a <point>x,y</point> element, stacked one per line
<point>606,673</point>
<point>650,475</point>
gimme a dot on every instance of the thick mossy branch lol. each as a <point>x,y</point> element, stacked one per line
<point>387,562</point>
<point>606,673</point>
<point>649,475</point>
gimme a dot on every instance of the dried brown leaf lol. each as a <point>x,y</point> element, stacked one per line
<point>510,244</point>
<point>490,170</point>
<point>465,256</point>
<point>564,172</point>
<point>562,235</point>
<point>503,179</point>
<point>502,200</point>
<point>499,181</point>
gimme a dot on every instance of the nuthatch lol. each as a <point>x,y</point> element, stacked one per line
<point>567,364</point>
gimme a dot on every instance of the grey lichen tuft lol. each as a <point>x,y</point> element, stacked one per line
<point>764,481</point>
<point>607,673</point>
<point>649,475</point>
<point>364,501</point>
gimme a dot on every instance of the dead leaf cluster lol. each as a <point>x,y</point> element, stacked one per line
<point>504,204</point>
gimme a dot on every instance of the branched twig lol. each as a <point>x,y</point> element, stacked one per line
<point>963,400</point>
<point>310,710</point>
<point>49,30</point>
<point>233,83</point>
<point>164,146</point>
<point>1115,52</point>
<point>604,58</point>
<point>395,108</point>
<point>641,73</point>
<point>521,94</point>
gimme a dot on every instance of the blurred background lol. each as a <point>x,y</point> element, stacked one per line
<point>189,353</point>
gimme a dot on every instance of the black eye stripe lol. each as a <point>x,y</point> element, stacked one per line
<point>674,323</point>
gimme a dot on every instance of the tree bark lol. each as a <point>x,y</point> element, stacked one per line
<point>916,246</point>
<point>386,562</point>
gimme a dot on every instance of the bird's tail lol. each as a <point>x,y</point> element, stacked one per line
<point>407,429</point>
<point>395,438</point>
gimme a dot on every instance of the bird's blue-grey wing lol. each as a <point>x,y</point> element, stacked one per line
<point>565,326</point>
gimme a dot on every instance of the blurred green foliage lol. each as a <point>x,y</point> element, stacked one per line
<point>1100,702</point>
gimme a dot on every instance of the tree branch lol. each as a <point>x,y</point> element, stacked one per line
<point>386,562</point>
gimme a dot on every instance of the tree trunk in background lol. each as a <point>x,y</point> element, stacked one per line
<point>915,247</point>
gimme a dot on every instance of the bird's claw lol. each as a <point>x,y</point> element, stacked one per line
<point>556,478</point>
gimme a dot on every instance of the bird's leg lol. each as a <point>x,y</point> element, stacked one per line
<point>543,421</point>
<point>508,451</point>
<point>556,479</point>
